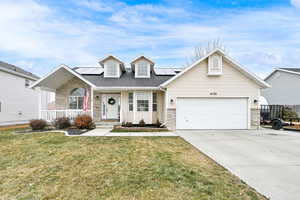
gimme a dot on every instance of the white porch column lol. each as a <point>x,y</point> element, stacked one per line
<point>92,103</point>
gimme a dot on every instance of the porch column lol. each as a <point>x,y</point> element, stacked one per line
<point>92,103</point>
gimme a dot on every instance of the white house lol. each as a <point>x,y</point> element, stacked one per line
<point>18,103</point>
<point>215,92</point>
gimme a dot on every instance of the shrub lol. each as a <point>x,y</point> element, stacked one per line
<point>142,123</point>
<point>289,113</point>
<point>38,124</point>
<point>84,122</point>
<point>62,122</point>
<point>128,124</point>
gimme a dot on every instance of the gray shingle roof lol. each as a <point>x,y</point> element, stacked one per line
<point>14,68</point>
<point>127,79</point>
<point>292,69</point>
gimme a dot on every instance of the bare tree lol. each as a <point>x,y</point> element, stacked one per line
<point>203,49</point>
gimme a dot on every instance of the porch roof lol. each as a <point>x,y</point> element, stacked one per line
<point>58,77</point>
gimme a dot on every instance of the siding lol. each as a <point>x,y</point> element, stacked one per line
<point>19,104</point>
<point>284,89</point>
<point>196,83</point>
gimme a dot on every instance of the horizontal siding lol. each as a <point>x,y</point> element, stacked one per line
<point>196,83</point>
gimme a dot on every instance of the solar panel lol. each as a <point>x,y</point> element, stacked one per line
<point>89,70</point>
<point>167,71</point>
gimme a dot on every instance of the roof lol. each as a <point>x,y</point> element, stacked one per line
<point>89,70</point>
<point>235,64</point>
<point>292,69</point>
<point>284,69</point>
<point>140,57</point>
<point>127,79</point>
<point>17,70</point>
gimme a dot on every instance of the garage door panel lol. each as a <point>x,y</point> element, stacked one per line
<point>212,113</point>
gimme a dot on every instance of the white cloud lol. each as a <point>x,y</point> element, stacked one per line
<point>296,3</point>
<point>95,5</point>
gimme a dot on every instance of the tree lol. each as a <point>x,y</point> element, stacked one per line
<point>205,48</point>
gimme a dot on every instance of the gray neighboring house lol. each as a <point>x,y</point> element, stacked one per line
<point>18,103</point>
<point>285,87</point>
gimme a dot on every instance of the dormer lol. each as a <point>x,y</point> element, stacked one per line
<point>113,66</point>
<point>142,67</point>
<point>215,65</point>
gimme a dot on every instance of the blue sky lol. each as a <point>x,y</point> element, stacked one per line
<point>38,35</point>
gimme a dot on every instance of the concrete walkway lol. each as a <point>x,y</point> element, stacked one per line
<point>267,160</point>
<point>106,132</point>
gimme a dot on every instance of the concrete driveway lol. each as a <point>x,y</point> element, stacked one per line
<point>267,160</point>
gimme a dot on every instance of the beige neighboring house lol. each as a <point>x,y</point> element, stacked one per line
<point>18,103</point>
<point>213,93</point>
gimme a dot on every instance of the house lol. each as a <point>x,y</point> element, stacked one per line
<point>18,103</point>
<point>285,88</point>
<point>213,93</point>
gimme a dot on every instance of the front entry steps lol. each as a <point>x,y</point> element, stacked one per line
<point>107,124</point>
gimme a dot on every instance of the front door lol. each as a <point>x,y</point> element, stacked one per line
<point>110,106</point>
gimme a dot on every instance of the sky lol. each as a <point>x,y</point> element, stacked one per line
<point>39,35</point>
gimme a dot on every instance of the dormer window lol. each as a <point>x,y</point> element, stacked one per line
<point>113,67</point>
<point>142,69</point>
<point>215,65</point>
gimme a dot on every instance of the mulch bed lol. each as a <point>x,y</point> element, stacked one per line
<point>70,131</point>
<point>139,129</point>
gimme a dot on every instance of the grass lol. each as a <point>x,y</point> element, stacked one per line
<point>54,166</point>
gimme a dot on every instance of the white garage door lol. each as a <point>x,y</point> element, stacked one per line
<point>212,113</point>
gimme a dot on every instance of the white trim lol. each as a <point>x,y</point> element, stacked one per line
<point>238,66</point>
<point>283,70</point>
<point>140,57</point>
<point>118,70</point>
<point>127,88</point>
<point>17,73</point>
<point>66,68</point>
<point>110,56</point>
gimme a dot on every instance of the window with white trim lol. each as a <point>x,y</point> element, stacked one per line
<point>154,102</point>
<point>215,65</point>
<point>111,69</point>
<point>142,100</point>
<point>130,101</point>
<point>76,98</point>
<point>142,69</point>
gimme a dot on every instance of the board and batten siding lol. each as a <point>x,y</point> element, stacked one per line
<point>18,103</point>
<point>196,83</point>
<point>284,89</point>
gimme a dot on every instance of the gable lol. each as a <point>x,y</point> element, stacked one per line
<point>233,63</point>
<point>196,82</point>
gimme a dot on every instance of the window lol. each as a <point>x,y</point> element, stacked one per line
<point>215,65</point>
<point>111,69</point>
<point>154,102</point>
<point>76,98</point>
<point>130,101</point>
<point>142,69</point>
<point>142,101</point>
<point>27,83</point>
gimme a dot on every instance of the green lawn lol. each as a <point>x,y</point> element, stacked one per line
<point>53,166</point>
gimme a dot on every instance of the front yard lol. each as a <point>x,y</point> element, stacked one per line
<point>53,166</point>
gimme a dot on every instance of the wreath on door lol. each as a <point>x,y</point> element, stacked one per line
<point>111,101</point>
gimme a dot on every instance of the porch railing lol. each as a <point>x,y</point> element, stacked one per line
<point>50,115</point>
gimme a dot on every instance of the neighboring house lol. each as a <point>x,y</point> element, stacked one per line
<point>285,86</point>
<point>18,103</point>
<point>213,93</point>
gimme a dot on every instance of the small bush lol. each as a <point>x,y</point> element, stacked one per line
<point>128,124</point>
<point>142,123</point>
<point>84,122</point>
<point>62,122</point>
<point>38,124</point>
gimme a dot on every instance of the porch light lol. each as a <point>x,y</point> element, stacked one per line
<point>172,100</point>
<point>97,97</point>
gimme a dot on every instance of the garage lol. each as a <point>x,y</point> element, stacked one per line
<point>212,113</point>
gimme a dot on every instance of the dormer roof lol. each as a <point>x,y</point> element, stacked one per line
<point>142,57</point>
<point>102,61</point>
